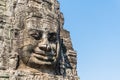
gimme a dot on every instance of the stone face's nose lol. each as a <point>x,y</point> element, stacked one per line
<point>44,44</point>
<point>45,47</point>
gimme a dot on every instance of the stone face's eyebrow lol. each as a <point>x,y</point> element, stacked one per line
<point>35,30</point>
<point>36,34</point>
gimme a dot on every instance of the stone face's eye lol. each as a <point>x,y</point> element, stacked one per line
<point>52,37</point>
<point>36,34</point>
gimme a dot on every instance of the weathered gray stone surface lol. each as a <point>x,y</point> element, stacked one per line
<point>33,42</point>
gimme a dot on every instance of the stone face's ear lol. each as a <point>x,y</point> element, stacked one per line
<point>13,60</point>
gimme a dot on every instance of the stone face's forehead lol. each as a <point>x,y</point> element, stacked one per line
<point>41,24</point>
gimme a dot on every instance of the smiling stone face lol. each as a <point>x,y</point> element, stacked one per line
<point>40,43</point>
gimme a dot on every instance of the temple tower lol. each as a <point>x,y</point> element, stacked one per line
<point>33,43</point>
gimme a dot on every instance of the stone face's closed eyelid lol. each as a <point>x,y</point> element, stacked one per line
<point>52,37</point>
<point>36,34</point>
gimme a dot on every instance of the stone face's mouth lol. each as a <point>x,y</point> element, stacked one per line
<point>44,56</point>
<point>45,59</point>
<point>40,53</point>
<point>44,53</point>
<point>41,59</point>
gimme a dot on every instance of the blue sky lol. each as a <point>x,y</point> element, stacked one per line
<point>94,26</point>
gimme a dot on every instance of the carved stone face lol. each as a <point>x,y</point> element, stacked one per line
<point>40,43</point>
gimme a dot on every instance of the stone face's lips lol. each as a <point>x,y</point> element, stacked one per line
<point>40,53</point>
<point>43,57</point>
<point>41,60</point>
<point>44,53</point>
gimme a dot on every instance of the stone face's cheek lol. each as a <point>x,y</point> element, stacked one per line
<point>25,53</point>
<point>27,41</point>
